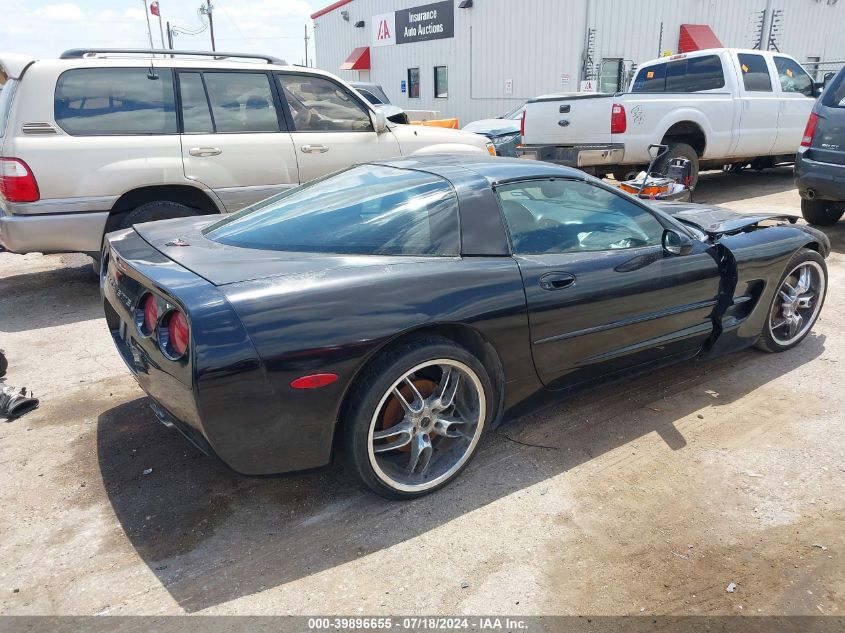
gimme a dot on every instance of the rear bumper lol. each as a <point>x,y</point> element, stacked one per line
<point>819,181</point>
<point>55,233</point>
<point>591,155</point>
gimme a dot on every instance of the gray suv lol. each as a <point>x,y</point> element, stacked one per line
<point>820,162</point>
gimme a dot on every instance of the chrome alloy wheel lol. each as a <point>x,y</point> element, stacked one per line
<point>426,425</point>
<point>797,303</point>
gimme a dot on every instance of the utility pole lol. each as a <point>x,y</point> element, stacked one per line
<point>306,45</point>
<point>207,10</point>
<point>169,36</point>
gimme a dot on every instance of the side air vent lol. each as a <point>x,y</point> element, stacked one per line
<point>38,128</point>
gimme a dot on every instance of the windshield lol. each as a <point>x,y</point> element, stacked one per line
<point>516,113</point>
<point>365,210</point>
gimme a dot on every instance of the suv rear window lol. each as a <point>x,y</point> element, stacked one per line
<point>834,93</point>
<point>683,75</point>
<point>365,210</point>
<point>115,101</point>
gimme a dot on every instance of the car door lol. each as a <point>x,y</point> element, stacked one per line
<point>602,295</point>
<point>759,105</point>
<point>330,126</point>
<point>795,88</point>
<point>234,137</point>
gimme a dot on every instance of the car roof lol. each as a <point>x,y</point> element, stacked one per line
<point>494,169</point>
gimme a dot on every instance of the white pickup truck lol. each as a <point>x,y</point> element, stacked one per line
<point>714,107</point>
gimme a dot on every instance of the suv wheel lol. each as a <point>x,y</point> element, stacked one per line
<point>157,210</point>
<point>820,212</point>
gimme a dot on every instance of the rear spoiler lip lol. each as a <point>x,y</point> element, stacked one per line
<point>13,65</point>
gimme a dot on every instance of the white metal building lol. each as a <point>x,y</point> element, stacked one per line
<point>488,56</point>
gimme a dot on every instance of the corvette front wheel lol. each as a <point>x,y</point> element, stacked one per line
<point>797,302</point>
<point>418,418</point>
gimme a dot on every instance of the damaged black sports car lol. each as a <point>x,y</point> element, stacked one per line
<point>400,307</point>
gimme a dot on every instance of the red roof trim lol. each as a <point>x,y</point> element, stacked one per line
<point>329,8</point>
<point>359,59</point>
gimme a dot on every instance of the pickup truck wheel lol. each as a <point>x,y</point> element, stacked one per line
<point>820,212</point>
<point>679,150</point>
<point>157,210</point>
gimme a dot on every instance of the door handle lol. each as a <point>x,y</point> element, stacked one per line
<point>310,149</point>
<point>556,281</point>
<point>205,151</point>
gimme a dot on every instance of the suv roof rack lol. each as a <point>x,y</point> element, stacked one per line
<point>78,53</point>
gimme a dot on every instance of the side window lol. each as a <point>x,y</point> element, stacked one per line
<point>704,73</point>
<point>115,101</point>
<point>414,83</point>
<point>320,105</point>
<point>834,94</point>
<point>792,77</point>
<point>651,79</point>
<point>241,102</point>
<point>567,216</point>
<point>196,115</point>
<point>755,73</point>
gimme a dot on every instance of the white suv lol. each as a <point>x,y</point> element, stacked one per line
<point>99,140</point>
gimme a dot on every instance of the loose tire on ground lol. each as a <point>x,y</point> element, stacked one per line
<point>820,212</point>
<point>679,150</point>
<point>375,409</point>
<point>157,210</point>
<point>780,339</point>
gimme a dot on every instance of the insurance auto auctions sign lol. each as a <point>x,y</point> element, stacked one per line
<point>417,24</point>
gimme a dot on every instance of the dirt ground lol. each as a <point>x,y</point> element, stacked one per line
<point>646,497</point>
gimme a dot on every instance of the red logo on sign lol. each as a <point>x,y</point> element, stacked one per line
<point>383,31</point>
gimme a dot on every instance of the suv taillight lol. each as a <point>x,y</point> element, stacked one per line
<point>618,121</point>
<point>17,184</point>
<point>522,125</point>
<point>810,130</point>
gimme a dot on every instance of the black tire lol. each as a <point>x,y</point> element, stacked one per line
<point>820,212</point>
<point>373,389</point>
<point>679,150</point>
<point>767,341</point>
<point>156,210</point>
<point>4,364</point>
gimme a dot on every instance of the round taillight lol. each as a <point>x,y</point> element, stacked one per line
<point>150,313</point>
<point>176,343</point>
<point>146,314</point>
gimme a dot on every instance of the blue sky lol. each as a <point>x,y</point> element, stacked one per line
<point>46,28</point>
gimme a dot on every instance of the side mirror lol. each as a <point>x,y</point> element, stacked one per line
<point>379,121</point>
<point>675,243</point>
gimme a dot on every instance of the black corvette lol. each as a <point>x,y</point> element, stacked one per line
<point>400,307</point>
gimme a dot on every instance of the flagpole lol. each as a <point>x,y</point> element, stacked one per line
<point>149,29</point>
<point>160,27</point>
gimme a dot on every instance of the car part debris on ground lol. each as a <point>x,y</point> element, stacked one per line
<point>14,402</point>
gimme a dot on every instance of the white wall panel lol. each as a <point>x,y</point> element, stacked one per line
<point>535,42</point>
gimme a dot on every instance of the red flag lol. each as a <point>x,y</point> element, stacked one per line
<point>154,9</point>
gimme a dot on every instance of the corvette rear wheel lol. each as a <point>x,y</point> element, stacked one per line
<point>418,419</point>
<point>797,303</point>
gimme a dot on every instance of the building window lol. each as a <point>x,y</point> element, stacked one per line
<point>441,82</point>
<point>414,83</point>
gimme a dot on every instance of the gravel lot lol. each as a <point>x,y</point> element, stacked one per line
<point>648,496</point>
